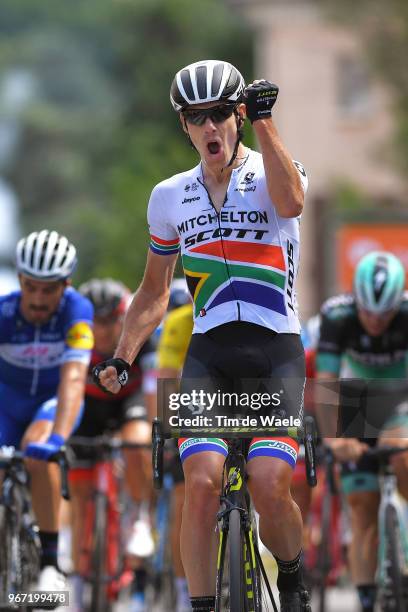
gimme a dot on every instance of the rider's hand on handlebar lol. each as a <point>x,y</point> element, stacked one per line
<point>394,437</point>
<point>111,375</point>
<point>346,449</point>
<point>44,450</point>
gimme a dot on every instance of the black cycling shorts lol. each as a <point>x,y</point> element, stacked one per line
<point>107,417</point>
<point>228,357</point>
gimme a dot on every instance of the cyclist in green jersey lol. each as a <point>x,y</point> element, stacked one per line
<point>364,342</point>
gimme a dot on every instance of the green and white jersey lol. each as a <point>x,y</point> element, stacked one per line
<point>346,350</point>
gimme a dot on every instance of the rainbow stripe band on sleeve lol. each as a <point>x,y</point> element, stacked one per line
<point>164,247</point>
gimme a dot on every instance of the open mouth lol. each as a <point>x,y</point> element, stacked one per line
<point>214,147</point>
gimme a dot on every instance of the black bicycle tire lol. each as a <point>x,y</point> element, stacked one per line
<point>237,594</point>
<point>98,556</point>
<point>30,547</point>
<point>392,552</point>
<point>31,557</point>
<point>222,555</point>
<point>16,560</point>
<point>5,557</point>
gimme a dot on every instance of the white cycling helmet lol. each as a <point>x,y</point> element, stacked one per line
<point>206,81</point>
<point>45,256</point>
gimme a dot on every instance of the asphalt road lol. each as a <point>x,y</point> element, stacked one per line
<point>338,600</point>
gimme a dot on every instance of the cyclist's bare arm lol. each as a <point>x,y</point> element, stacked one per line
<point>282,177</point>
<point>144,315</point>
<point>71,391</point>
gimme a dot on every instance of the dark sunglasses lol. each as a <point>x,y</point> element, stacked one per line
<point>217,114</point>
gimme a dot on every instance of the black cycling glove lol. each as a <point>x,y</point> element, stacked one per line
<point>122,368</point>
<point>259,100</point>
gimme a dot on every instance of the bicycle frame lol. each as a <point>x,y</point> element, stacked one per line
<point>106,487</point>
<point>235,499</point>
<point>390,497</point>
<point>235,496</point>
<point>392,565</point>
<point>105,484</point>
<point>21,528</point>
<point>22,549</point>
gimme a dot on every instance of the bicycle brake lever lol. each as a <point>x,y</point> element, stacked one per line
<point>61,459</point>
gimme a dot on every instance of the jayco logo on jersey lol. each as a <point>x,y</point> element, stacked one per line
<point>245,189</point>
<point>193,199</point>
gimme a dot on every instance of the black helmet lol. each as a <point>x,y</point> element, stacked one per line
<point>110,298</point>
<point>206,81</point>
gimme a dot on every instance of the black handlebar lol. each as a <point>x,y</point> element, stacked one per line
<point>384,453</point>
<point>11,456</point>
<point>157,453</point>
<point>62,460</point>
<point>309,441</point>
<point>308,432</point>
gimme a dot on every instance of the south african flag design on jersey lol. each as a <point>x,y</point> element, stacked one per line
<point>254,272</point>
<point>164,247</point>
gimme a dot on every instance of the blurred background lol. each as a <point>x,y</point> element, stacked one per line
<point>86,127</point>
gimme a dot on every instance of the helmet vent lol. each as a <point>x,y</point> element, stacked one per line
<point>187,85</point>
<point>33,250</point>
<point>216,80</point>
<point>201,77</point>
<point>52,258</point>
<point>64,258</point>
<point>380,277</point>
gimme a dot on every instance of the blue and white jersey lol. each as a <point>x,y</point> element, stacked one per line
<point>30,355</point>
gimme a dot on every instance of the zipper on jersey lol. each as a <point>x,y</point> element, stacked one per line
<point>36,373</point>
<point>222,243</point>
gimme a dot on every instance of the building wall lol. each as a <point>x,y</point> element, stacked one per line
<point>331,113</point>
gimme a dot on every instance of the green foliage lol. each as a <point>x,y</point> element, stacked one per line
<point>98,131</point>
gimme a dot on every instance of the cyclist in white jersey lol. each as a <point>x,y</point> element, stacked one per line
<point>235,220</point>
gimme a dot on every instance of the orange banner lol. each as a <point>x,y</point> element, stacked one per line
<point>357,239</point>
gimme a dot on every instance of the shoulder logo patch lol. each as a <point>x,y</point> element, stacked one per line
<point>80,336</point>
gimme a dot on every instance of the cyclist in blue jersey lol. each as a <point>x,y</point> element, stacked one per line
<point>45,347</point>
<point>235,220</point>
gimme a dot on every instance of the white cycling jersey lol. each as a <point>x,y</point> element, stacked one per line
<point>240,263</point>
